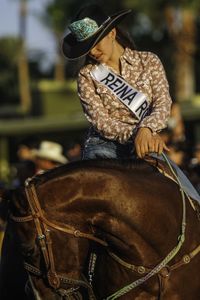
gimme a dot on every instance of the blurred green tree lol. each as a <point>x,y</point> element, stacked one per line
<point>10,48</point>
<point>55,17</point>
<point>23,68</point>
<point>14,64</point>
<point>179,18</point>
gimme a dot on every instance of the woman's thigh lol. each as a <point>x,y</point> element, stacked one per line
<point>98,147</point>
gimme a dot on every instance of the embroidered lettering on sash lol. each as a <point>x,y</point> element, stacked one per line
<point>136,101</point>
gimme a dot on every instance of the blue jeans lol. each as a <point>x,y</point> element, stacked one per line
<point>97,146</point>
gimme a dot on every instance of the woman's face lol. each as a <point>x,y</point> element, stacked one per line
<point>103,51</point>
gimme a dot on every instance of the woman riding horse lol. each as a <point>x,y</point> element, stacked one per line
<point>124,92</point>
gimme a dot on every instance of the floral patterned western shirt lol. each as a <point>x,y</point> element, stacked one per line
<point>111,118</point>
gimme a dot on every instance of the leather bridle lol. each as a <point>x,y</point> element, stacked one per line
<point>42,225</point>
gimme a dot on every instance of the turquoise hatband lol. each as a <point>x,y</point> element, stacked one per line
<point>85,28</point>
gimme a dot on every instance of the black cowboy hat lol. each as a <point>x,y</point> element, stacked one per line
<point>87,29</point>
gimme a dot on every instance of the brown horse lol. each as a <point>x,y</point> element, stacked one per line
<point>107,230</point>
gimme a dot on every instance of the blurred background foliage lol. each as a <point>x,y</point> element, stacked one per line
<point>10,49</point>
<point>169,28</point>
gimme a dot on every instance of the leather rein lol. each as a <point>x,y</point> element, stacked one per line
<point>42,226</point>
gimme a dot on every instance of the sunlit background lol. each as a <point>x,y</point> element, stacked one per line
<point>37,85</point>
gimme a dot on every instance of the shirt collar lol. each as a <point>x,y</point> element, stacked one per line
<point>128,55</point>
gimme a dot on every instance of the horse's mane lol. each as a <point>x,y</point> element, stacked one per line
<point>116,164</point>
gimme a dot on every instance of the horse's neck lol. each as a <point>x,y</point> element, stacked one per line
<point>126,206</point>
<point>128,210</point>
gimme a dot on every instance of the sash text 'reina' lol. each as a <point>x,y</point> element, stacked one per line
<point>129,96</point>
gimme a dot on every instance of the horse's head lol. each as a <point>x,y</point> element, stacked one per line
<point>44,242</point>
<point>134,208</point>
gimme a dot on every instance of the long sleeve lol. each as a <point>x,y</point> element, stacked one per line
<point>161,100</point>
<point>98,114</point>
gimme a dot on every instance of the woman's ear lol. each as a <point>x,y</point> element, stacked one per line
<point>112,33</point>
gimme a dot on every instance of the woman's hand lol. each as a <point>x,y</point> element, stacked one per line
<point>146,142</point>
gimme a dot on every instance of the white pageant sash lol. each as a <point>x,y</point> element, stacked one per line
<point>128,95</point>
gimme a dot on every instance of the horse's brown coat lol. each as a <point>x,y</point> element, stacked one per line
<point>131,206</point>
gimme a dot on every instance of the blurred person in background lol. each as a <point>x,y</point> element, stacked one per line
<point>26,147</point>
<point>25,167</point>
<point>73,150</point>
<point>21,171</point>
<point>49,155</point>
